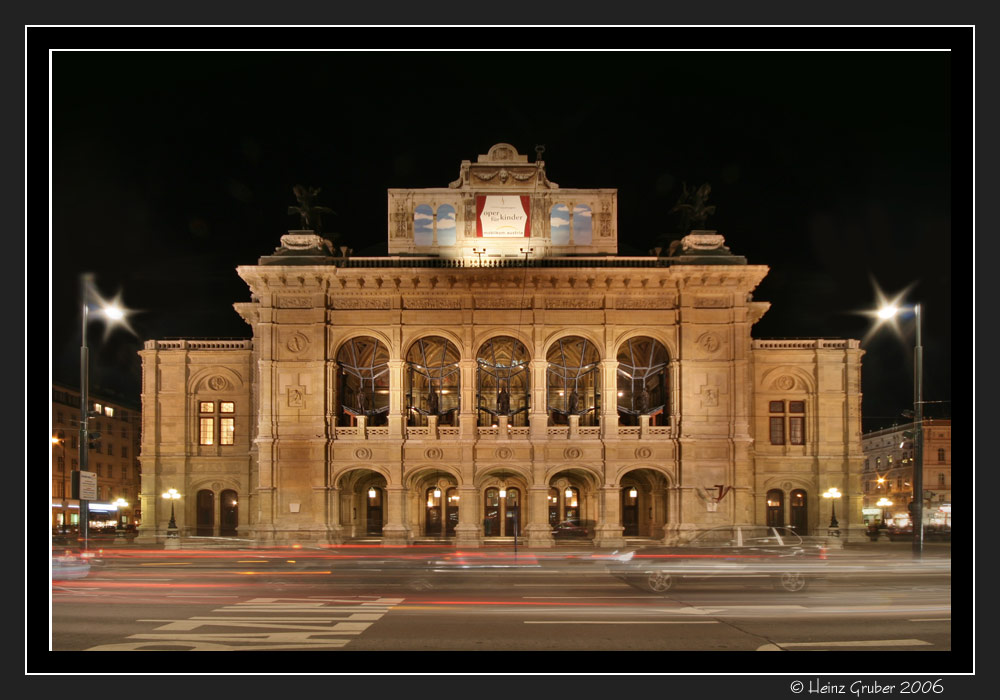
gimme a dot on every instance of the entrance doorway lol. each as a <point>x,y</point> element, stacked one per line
<point>373,511</point>
<point>228,513</point>
<point>800,513</point>
<point>205,513</point>
<point>630,511</point>
<point>775,508</point>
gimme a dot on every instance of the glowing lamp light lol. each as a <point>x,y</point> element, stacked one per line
<point>632,493</point>
<point>437,492</point>
<point>569,493</point>
<point>503,492</point>
<point>372,493</point>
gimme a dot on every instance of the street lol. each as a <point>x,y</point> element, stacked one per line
<point>370,600</point>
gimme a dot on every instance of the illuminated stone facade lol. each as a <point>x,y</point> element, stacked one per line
<point>397,397</point>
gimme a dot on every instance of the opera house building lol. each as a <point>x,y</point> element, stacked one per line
<point>502,372</point>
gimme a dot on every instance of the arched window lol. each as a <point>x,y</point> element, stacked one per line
<point>775,508</point>
<point>642,381</point>
<point>502,381</point>
<point>432,381</point>
<point>573,381</point>
<point>363,386</point>
<point>491,513</point>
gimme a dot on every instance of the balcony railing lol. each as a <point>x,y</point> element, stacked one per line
<point>552,432</point>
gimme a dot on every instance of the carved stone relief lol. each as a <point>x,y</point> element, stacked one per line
<point>434,453</point>
<point>431,303</point>
<point>363,453</point>
<point>709,342</point>
<point>573,303</point>
<point>293,302</point>
<point>367,302</point>
<point>784,383</point>
<point>218,383</point>
<point>643,453</point>
<point>297,342</point>
<point>504,453</point>
<point>709,395</point>
<point>572,453</point>
<point>296,396</point>
<point>711,302</point>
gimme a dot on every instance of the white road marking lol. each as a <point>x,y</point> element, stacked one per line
<point>781,646</point>
<point>312,627</point>
<point>621,622</point>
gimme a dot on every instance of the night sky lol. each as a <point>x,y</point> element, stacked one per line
<point>169,169</point>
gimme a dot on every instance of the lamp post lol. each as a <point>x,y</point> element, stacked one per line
<point>833,493</point>
<point>886,312</point>
<point>113,313</point>
<point>883,503</point>
<point>171,495</point>
<point>120,530</point>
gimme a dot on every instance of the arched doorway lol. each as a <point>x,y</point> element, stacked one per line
<point>630,511</point>
<point>228,513</point>
<point>205,513</point>
<point>374,506</point>
<point>502,513</point>
<point>775,508</point>
<point>799,512</point>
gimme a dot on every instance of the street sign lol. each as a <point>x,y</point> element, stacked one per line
<point>85,486</point>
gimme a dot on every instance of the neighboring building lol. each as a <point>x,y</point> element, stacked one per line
<point>888,472</point>
<point>114,457</point>
<point>501,370</point>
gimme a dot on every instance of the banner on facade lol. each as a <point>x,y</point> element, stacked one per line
<point>503,216</point>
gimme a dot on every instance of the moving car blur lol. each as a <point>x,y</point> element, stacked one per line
<point>749,553</point>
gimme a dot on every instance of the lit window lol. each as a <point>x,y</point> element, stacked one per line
<point>97,407</point>
<point>794,426</point>
<point>109,412</point>
<point>207,431</point>
<point>227,430</point>
<point>209,418</point>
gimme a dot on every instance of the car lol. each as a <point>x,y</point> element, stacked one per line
<point>747,553</point>
<point>570,528</point>
<point>900,532</point>
<point>68,566</point>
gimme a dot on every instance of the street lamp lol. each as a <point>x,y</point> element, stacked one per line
<point>833,493</point>
<point>883,503</point>
<point>120,530</point>
<point>171,495</point>
<point>114,314</point>
<point>886,312</point>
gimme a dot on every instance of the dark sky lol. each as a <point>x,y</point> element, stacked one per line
<point>169,169</point>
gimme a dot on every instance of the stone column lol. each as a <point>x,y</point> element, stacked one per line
<point>609,524</point>
<point>397,416</point>
<point>335,533</point>
<point>538,419</point>
<point>395,532</point>
<point>609,399</point>
<point>467,403</point>
<point>537,532</point>
<point>468,532</point>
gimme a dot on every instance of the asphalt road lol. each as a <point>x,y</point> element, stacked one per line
<point>372,601</point>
